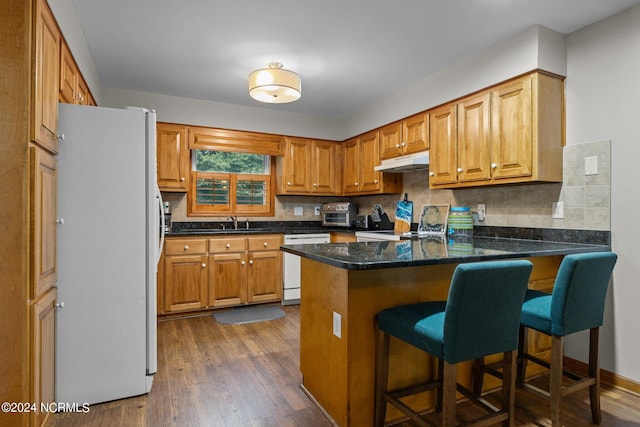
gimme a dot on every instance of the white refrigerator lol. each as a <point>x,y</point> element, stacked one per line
<point>109,243</point>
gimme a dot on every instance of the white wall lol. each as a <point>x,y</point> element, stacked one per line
<point>603,67</point>
<point>216,114</point>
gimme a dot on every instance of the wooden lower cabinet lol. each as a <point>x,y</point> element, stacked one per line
<point>264,280</point>
<point>223,272</point>
<point>185,282</point>
<point>227,279</point>
<point>43,339</point>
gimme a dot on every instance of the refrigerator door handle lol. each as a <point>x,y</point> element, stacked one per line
<point>162,222</point>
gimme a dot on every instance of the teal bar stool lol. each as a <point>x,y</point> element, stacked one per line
<point>480,317</point>
<point>576,304</point>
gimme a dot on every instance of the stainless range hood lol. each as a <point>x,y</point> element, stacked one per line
<point>409,163</point>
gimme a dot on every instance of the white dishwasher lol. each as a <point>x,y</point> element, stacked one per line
<point>291,264</point>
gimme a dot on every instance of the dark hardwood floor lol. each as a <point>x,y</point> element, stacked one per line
<point>210,374</point>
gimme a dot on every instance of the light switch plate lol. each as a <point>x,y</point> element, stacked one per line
<point>297,211</point>
<point>591,165</point>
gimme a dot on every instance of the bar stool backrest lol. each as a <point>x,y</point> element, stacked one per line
<point>482,315</point>
<point>579,292</point>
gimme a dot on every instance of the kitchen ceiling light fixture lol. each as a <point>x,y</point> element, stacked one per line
<point>275,85</point>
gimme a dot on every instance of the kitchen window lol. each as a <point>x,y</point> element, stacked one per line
<point>225,183</point>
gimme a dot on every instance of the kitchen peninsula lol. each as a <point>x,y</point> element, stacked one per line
<point>344,285</point>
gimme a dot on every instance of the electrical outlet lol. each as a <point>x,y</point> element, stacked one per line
<point>482,211</point>
<point>557,210</point>
<point>316,210</point>
<point>337,325</point>
<point>297,211</point>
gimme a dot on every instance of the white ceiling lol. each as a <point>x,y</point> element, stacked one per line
<point>349,53</point>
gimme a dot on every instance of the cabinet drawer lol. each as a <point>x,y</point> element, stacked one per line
<point>264,243</point>
<point>185,246</point>
<point>227,244</point>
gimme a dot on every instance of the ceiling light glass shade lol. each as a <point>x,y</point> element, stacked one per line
<point>275,85</point>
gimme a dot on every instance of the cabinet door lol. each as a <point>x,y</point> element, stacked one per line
<point>511,129</point>
<point>443,158</point>
<point>474,156</point>
<point>185,283</point>
<point>370,158</point>
<point>43,318</point>
<point>44,186</point>
<point>83,96</point>
<point>324,167</point>
<point>415,134</point>
<point>46,61</point>
<point>351,176</point>
<point>264,281</point>
<point>68,75</point>
<point>391,141</point>
<point>298,166</point>
<point>227,279</point>
<point>172,157</point>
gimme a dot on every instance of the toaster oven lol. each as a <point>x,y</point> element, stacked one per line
<point>338,214</point>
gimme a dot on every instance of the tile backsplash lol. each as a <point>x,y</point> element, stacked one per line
<point>586,198</point>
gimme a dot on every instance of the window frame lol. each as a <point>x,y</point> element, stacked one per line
<point>195,209</point>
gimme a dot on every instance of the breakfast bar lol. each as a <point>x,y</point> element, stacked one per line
<point>344,285</point>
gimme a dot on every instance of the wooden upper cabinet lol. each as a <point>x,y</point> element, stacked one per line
<point>44,85</point>
<point>351,176</point>
<point>68,75</point>
<point>408,136</point>
<point>43,265</point>
<point>507,134</point>
<point>474,132</point>
<point>309,166</point>
<point>325,167</point>
<point>172,157</point>
<point>296,176</point>
<point>443,157</point>
<point>370,179</point>
<point>73,87</point>
<point>512,129</point>
<point>391,141</point>
<point>361,156</point>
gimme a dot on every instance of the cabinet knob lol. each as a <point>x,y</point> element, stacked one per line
<point>289,183</point>
<point>60,305</point>
<point>432,174</point>
<point>204,265</point>
<point>459,170</point>
<point>398,145</point>
<point>404,144</point>
<point>265,244</point>
<point>251,262</point>
<point>315,185</point>
<point>228,245</point>
<point>375,181</point>
<point>494,165</point>
<point>182,179</point>
<point>355,183</point>
<point>242,263</point>
<point>60,221</point>
<point>186,247</point>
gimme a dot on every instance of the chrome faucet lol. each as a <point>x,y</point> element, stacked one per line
<point>235,222</point>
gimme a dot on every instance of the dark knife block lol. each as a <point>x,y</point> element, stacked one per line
<point>383,224</point>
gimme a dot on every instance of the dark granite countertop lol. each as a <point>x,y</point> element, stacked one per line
<point>432,250</point>
<point>255,227</point>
